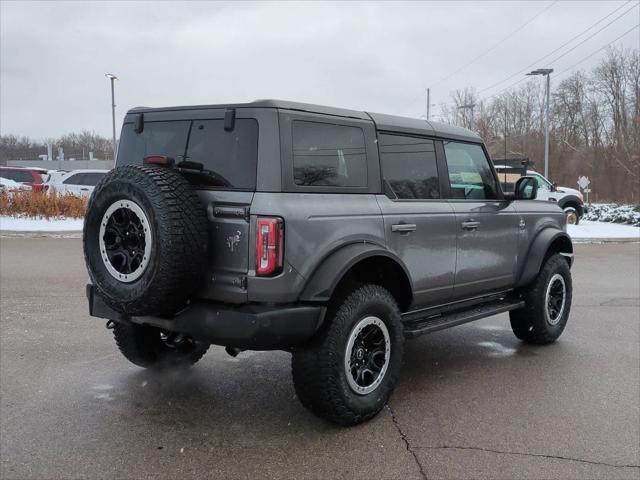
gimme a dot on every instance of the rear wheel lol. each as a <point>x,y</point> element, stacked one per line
<point>150,347</point>
<point>349,370</point>
<point>547,304</point>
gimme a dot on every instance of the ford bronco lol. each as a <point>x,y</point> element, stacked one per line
<point>329,233</point>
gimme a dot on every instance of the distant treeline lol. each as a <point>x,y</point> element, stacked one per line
<point>74,145</point>
<point>594,127</point>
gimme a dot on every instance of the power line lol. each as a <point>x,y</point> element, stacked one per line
<point>597,51</point>
<point>565,70</point>
<point>591,36</point>
<point>519,72</point>
<point>520,80</point>
<point>493,47</point>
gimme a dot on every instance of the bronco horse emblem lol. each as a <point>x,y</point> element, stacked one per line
<point>233,240</point>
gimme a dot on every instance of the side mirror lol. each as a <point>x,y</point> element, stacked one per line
<point>526,188</point>
<point>554,187</point>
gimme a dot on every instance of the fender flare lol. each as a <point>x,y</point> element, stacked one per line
<point>333,267</point>
<point>537,251</point>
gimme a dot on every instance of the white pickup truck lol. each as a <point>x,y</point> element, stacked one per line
<point>569,199</point>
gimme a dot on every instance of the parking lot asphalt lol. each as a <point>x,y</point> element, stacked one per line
<point>472,402</point>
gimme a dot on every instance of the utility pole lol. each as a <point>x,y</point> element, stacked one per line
<point>546,72</point>
<point>428,102</point>
<point>505,132</point>
<point>113,78</point>
<point>468,106</point>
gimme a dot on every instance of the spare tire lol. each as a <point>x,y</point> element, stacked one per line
<point>145,240</point>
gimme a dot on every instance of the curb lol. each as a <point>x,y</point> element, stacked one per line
<point>607,240</point>
<point>41,234</point>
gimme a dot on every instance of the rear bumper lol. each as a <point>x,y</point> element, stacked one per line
<point>253,326</point>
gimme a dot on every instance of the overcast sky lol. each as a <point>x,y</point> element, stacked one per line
<point>368,56</point>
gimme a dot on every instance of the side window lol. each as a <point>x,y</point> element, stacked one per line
<point>75,179</point>
<point>328,155</point>
<point>409,166</point>
<point>543,184</point>
<point>469,172</point>
<point>17,176</point>
<point>92,178</point>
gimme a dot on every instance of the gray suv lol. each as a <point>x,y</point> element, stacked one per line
<point>329,233</point>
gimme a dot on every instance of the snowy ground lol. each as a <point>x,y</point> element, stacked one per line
<point>602,230</point>
<point>14,224</point>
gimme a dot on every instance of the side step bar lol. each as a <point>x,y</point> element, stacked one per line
<point>414,327</point>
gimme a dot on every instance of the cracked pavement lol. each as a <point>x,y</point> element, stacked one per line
<point>472,402</point>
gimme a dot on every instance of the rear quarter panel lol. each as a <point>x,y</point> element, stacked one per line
<point>315,226</point>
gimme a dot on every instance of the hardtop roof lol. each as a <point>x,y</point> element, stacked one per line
<point>392,123</point>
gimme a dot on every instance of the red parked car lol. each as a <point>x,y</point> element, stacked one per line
<point>34,177</point>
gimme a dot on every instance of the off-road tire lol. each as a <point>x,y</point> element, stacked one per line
<point>319,375</point>
<point>143,346</point>
<point>178,225</point>
<point>530,324</point>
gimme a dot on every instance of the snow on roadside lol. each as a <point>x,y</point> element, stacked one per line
<point>27,224</point>
<point>601,230</point>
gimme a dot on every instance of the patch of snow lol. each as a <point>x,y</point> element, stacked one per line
<point>589,229</point>
<point>611,212</point>
<point>27,224</point>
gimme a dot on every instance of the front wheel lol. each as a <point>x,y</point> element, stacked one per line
<point>349,370</point>
<point>150,347</point>
<point>572,216</point>
<point>547,304</point>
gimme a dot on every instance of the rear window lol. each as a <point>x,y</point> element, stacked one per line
<point>228,158</point>
<point>328,155</point>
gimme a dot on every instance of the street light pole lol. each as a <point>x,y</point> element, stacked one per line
<point>546,72</point>
<point>113,78</point>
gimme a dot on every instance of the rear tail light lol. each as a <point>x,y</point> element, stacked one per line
<point>269,246</point>
<point>158,160</point>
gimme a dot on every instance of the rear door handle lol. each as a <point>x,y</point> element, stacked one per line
<point>470,225</point>
<point>403,227</point>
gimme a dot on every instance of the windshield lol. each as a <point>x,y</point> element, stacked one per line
<point>228,158</point>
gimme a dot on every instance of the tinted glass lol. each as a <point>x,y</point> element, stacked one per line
<point>327,154</point>
<point>469,172</point>
<point>231,157</point>
<point>157,138</point>
<point>17,175</point>
<point>75,179</point>
<point>409,166</point>
<point>85,178</point>
<point>228,158</point>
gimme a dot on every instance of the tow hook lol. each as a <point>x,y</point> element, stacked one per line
<point>110,324</point>
<point>233,351</point>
